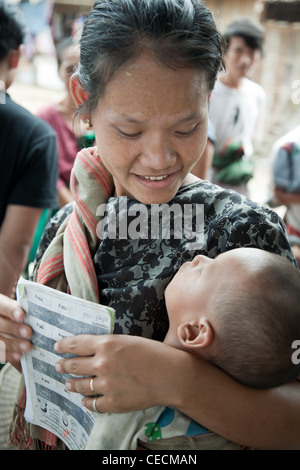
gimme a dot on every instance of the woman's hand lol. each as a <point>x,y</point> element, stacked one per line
<point>134,373</point>
<point>130,373</point>
<point>13,332</point>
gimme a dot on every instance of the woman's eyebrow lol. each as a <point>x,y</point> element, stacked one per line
<point>191,117</point>
<point>132,120</point>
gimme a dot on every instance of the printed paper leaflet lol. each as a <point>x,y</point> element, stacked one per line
<point>54,315</point>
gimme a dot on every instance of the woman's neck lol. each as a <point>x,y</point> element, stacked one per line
<point>189,179</point>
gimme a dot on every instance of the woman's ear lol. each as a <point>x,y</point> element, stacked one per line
<point>79,95</point>
<point>195,334</point>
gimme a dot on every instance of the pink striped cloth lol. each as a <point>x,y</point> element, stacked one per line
<point>67,264</point>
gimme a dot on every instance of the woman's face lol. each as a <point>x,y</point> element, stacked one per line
<point>151,128</point>
<point>69,63</point>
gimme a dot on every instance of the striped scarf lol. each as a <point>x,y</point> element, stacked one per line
<point>67,264</point>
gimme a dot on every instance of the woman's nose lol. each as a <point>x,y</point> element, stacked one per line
<point>158,154</point>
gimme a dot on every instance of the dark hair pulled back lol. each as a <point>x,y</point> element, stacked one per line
<point>179,33</point>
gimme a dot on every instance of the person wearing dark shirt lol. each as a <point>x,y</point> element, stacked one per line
<point>28,160</point>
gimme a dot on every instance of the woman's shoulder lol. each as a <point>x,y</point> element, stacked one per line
<point>205,192</point>
<point>223,206</point>
<point>212,195</point>
<point>232,220</point>
<point>226,203</point>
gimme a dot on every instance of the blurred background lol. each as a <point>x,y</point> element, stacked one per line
<point>278,72</point>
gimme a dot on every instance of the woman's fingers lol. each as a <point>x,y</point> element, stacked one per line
<point>96,404</point>
<point>13,329</point>
<point>81,345</point>
<point>124,369</point>
<point>76,366</point>
<point>87,386</point>
<point>10,309</point>
<point>14,347</point>
<point>13,332</point>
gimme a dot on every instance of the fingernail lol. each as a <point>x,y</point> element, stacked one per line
<point>68,386</point>
<point>17,314</point>
<point>24,347</point>
<point>58,367</point>
<point>56,346</point>
<point>24,332</point>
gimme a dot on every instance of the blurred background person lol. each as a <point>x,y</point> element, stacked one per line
<point>237,106</point>
<point>28,163</point>
<point>285,163</point>
<point>61,118</point>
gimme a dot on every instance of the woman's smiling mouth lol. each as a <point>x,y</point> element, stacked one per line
<point>155,178</point>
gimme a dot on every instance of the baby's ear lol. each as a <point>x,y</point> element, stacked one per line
<point>195,334</point>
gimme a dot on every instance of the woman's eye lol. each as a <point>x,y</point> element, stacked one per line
<point>129,135</point>
<point>187,133</point>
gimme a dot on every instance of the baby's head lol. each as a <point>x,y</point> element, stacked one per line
<point>240,311</point>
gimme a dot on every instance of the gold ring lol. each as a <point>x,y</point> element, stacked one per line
<point>91,385</point>
<point>95,407</point>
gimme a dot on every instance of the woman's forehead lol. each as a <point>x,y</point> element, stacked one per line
<point>145,83</point>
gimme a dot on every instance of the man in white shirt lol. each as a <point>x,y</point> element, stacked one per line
<point>237,105</point>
